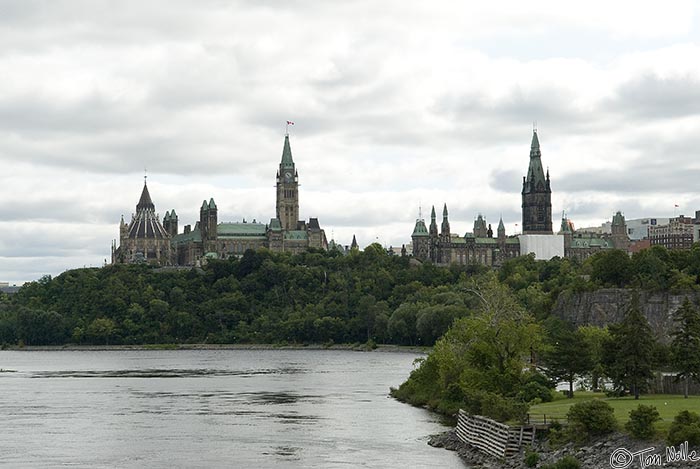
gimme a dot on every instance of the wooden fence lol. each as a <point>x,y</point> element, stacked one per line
<point>491,437</point>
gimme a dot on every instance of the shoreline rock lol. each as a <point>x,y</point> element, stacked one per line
<point>594,455</point>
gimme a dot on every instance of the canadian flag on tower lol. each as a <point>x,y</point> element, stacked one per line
<point>290,123</point>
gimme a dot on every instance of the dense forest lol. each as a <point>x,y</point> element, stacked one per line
<point>312,297</point>
<point>497,348</point>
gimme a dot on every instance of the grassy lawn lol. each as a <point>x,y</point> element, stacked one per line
<point>668,406</point>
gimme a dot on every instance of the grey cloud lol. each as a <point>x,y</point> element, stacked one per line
<point>506,180</point>
<point>642,176</point>
<point>653,97</point>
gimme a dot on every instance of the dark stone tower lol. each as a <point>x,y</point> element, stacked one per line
<point>287,190</point>
<point>537,194</point>
<point>445,227</point>
<point>208,220</point>
<point>620,238</point>
<point>170,223</point>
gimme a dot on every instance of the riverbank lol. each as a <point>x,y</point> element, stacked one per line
<point>595,455</point>
<point>350,347</point>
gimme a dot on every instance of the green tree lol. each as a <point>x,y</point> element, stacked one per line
<point>685,345</point>
<point>595,339</point>
<point>101,330</point>
<point>630,352</point>
<point>568,355</point>
<point>611,268</point>
<point>490,349</point>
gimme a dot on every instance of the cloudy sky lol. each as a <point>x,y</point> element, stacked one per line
<point>397,104</point>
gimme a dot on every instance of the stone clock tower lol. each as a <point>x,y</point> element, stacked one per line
<point>287,190</point>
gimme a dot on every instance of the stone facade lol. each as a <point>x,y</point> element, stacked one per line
<point>481,247</point>
<point>146,239</point>
<point>582,245</point>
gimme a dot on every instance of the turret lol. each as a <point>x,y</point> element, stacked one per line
<point>433,224</point>
<point>354,246</point>
<point>501,230</point>
<point>445,227</point>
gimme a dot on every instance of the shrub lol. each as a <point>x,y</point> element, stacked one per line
<point>591,418</point>
<point>685,427</point>
<point>533,390</point>
<point>641,422</point>
<point>532,458</point>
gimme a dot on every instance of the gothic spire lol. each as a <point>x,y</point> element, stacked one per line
<point>432,213</point>
<point>287,161</point>
<point>535,173</point>
<point>444,212</point>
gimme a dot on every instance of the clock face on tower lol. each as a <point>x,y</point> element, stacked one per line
<point>287,176</point>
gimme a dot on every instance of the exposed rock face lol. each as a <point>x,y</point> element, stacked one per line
<point>607,306</point>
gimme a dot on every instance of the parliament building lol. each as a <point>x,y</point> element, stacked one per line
<point>480,246</point>
<point>146,239</point>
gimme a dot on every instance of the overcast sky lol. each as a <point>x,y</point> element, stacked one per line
<point>397,104</point>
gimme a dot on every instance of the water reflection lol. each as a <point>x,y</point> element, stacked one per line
<point>162,373</point>
<point>216,409</point>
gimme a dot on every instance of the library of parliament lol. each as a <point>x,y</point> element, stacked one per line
<point>146,239</point>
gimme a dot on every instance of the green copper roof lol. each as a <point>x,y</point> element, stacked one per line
<point>589,240</point>
<point>204,205</point>
<point>444,211</point>
<point>432,213</point>
<point>457,239</point>
<point>501,226</point>
<point>193,236</point>
<point>287,161</point>
<point>420,229</point>
<point>240,229</point>
<point>493,241</point>
<point>565,226</point>
<point>295,235</point>
<point>275,224</point>
<point>618,219</point>
<point>212,204</point>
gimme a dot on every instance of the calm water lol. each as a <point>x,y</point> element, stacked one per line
<point>228,408</point>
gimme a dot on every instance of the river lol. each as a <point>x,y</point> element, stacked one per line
<point>212,408</point>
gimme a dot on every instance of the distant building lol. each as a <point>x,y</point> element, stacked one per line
<point>145,239</point>
<point>8,289</point>
<point>581,244</point>
<point>637,228</point>
<point>677,234</point>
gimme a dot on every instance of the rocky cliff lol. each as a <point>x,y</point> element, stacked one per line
<point>607,306</point>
